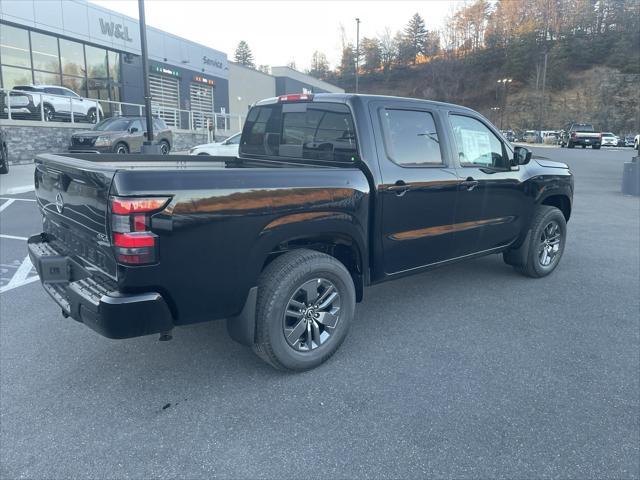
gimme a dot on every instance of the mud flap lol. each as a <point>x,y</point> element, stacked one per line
<point>518,256</point>
<point>242,327</point>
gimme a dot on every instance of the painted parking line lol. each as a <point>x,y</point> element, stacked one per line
<point>8,202</point>
<point>22,189</point>
<point>13,237</point>
<point>21,276</point>
<point>19,199</point>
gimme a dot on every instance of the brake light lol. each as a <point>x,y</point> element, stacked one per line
<point>296,97</point>
<point>573,135</point>
<point>133,242</point>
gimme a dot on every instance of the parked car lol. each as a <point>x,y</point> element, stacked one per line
<point>4,153</point>
<point>330,193</point>
<point>57,103</point>
<point>226,148</point>
<point>551,138</point>
<point>121,135</point>
<point>532,136</point>
<point>509,135</point>
<point>609,139</point>
<point>636,142</point>
<point>582,134</point>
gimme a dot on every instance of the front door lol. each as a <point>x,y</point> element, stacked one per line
<point>419,187</point>
<point>491,199</point>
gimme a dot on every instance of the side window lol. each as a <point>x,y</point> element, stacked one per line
<point>158,124</point>
<point>477,145</point>
<point>310,131</point>
<point>410,138</point>
<point>136,124</point>
<point>235,140</point>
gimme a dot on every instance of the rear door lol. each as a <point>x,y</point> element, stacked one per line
<point>73,198</point>
<point>419,187</point>
<point>491,200</point>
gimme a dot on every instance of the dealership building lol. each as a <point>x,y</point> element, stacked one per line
<point>96,53</point>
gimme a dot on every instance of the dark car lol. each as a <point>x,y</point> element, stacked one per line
<point>330,193</point>
<point>4,153</point>
<point>121,135</point>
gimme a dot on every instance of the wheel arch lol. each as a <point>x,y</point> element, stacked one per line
<point>561,201</point>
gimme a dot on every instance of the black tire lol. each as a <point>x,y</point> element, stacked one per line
<point>121,148</point>
<point>203,153</point>
<point>570,145</point>
<point>49,113</point>
<point>584,146</point>
<point>91,116</point>
<point>165,148</point>
<point>595,147</point>
<point>278,285</point>
<point>543,217</point>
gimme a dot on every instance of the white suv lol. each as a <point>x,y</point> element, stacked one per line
<point>57,104</point>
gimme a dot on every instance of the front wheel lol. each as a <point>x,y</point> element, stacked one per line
<point>546,244</point>
<point>121,148</point>
<point>92,117</point>
<point>4,160</point>
<point>570,145</point>
<point>164,147</point>
<point>48,113</point>
<point>306,301</point>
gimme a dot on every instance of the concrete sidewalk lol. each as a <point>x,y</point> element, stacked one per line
<point>18,180</point>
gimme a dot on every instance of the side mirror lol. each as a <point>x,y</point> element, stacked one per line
<point>133,130</point>
<point>521,156</point>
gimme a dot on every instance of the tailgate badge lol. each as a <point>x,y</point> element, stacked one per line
<point>59,203</point>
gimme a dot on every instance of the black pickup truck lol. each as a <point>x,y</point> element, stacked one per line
<point>330,193</point>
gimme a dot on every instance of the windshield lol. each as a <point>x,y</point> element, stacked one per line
<point>583,127</point>
<point>113,125</point>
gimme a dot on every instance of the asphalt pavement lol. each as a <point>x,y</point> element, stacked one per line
<point>469,371</point>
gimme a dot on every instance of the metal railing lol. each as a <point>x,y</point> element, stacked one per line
<point>45,107</point>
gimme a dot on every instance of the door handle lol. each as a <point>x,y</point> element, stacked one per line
<point>469,184</point>
<point>399,188</point>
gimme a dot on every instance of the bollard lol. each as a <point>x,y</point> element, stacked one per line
<point>631,177</point>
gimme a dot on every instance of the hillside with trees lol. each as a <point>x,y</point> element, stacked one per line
<point>563,60</point>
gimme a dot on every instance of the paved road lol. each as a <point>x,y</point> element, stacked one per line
<point>466,371</point>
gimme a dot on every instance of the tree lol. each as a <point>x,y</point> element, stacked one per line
<point>319,65</point>
<point>415,34</point>
<point>348,61</point>
<point>292,65</point>
<point>431,45</point>
<point>404,51</point>
<point>370,49</point>
<point>243,55</point>
<point>264,69</point>
<point>388,49</point>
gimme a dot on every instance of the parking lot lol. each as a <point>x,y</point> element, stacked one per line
<point>467,371</point>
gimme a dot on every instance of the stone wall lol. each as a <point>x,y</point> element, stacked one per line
<point>25,141</point>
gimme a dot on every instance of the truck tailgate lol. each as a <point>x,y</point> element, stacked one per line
<point>73,196</point>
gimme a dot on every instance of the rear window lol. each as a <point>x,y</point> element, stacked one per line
<point>311,131</point>
<point>582,127</point>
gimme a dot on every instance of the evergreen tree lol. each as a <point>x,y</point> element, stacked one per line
<point>370,49</point>
<point>415,34</point>
<point>319,65</point>
<point>243,55</point>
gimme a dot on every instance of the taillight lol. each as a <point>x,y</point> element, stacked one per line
<point>133,242</point>
<point>600,136</point>
<point>296,97</point>
<point>573,135</point>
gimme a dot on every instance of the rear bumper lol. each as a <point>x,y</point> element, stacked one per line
<point>95,300</point>
<point>585,141</point>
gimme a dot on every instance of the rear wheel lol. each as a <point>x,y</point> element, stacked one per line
<point>306,301</point>
<point>584,146</point>
<point>570,144</point>
<point>49,113</point>
<point>4,159</point>
<point>92,117</point>
<point>546,245</point>
<point>164,147</point>
<point>595,147</point>
<point>121,148</point>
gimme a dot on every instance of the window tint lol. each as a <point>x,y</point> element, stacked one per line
<point>477,145</point>
<point>411,138</point>
<point>136,124</point>
<point>234,140</point>
<point>313,131</point>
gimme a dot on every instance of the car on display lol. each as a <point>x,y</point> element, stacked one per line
<point>636,142</point>
<point>580,134</point>
<point>4,153</point>
<point>330,193</point>
<point>226,148</point>
<point>50,103</point>
<point>609,139</point>
<point>121,135</point>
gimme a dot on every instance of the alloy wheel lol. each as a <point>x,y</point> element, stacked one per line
<point>312,314</point>
<point>549,246</point>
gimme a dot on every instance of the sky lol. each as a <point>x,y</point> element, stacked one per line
<point>279,32</point>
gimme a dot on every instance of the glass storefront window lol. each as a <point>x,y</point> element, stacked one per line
<point>12,76</point>
<point>72,56</point>
<point>96,62</point>
<point>46,78</point>
<point>44,50</point>
<point>14,46</point>
<point>77,84</point>
<point>114,66</point>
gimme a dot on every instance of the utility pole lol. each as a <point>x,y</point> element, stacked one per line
<point>544,84</point>
<point>357,50</point>
<point>148,146</point>
<point>505,82</point>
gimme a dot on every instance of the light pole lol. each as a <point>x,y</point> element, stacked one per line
<point>495,113</point>
<point>357,50</point>
<point>505,82</point>
<point>148,145</point>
